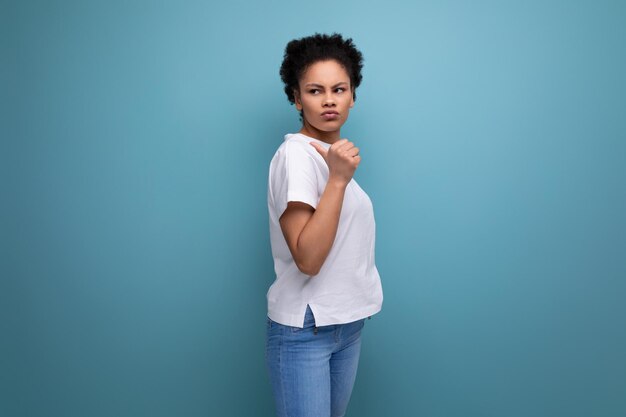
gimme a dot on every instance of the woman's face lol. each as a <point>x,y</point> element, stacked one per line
<point>324,86</point>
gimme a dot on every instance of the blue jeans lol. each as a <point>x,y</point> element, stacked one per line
<point>312,369</point>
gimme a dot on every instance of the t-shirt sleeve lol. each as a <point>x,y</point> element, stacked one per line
<point>294,177</point>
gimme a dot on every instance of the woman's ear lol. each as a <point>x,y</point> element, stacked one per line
<point>296,96</point>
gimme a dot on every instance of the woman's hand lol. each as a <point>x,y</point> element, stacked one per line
<point>342,159</point>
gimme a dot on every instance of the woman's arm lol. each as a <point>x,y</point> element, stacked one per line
<point>310,232</point>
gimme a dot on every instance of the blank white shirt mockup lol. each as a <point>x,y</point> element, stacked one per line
<point>347,287</point>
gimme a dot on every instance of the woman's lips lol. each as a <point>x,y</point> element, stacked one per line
<point>330,116</point>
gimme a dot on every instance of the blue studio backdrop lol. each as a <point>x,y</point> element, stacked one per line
<point>136,138</point>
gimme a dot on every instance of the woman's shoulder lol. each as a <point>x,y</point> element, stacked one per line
<point>296,141</point>
<point>294,144</point>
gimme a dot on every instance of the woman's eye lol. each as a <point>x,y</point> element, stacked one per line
<point>317,89</point>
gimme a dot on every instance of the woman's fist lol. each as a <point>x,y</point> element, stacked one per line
<point>342,159</point>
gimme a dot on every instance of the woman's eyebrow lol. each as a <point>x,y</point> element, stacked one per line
<point>319,85</point>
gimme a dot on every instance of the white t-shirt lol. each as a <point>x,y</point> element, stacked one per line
<point>347,287</point>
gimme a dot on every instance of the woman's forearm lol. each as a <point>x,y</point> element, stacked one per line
<point>318,235</point>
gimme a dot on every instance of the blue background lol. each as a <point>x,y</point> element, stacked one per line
<point>135,241</point>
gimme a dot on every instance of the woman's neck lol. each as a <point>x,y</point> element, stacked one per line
<point>328,137</point>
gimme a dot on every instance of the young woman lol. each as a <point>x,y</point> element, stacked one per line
<point>322,234</point>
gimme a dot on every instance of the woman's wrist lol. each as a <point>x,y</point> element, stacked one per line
<point>337,182</point>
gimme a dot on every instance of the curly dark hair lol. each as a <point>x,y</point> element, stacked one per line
<point>301,53</point>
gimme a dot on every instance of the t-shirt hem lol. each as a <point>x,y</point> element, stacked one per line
<point>297,320</point>
<point>323,320</point>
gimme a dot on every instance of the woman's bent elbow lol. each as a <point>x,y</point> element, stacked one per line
<point>309,270</point>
